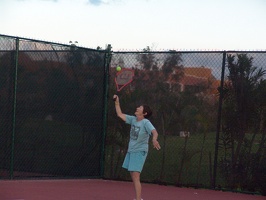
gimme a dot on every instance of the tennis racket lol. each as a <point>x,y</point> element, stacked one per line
<point>123,78</point>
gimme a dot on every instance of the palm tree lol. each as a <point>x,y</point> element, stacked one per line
<point>241,114</point>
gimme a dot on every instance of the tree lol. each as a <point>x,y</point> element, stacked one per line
<point>157,77</point>
<point>243,113</point>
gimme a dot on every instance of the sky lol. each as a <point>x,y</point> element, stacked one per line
<point>136,24</point>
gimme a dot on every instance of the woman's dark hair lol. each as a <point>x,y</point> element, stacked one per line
<point>147,109</point>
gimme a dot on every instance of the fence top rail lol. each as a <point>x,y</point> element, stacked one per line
<point>51,43</point>
<point>181,51</point>
<point>137,51</point>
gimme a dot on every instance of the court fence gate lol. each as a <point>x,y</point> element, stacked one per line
<point>58,118</point>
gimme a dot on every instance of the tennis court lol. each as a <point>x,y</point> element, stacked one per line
<point>58,122</point>
<point>98,189</point>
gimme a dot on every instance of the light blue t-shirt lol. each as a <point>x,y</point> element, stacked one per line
<point>139,134</point>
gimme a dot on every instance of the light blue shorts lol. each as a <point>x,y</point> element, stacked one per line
<point>134,161</point>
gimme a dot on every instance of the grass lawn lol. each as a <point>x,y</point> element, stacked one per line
<point>192,172</point>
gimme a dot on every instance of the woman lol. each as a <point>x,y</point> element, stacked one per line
<point>141,129</point>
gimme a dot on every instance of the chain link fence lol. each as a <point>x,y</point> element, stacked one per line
<point>196,114</point>
<point>208,107</point>
<point>51,104</point>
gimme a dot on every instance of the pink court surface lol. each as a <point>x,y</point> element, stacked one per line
<point>97,189</point>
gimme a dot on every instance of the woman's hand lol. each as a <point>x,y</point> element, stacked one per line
<point>156,144</point>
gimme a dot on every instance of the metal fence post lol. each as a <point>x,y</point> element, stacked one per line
<point>14,110</point>
<point>218,122</point>
<point>107,61</point>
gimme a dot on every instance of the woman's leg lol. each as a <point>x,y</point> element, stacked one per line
<point>135,176</point>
